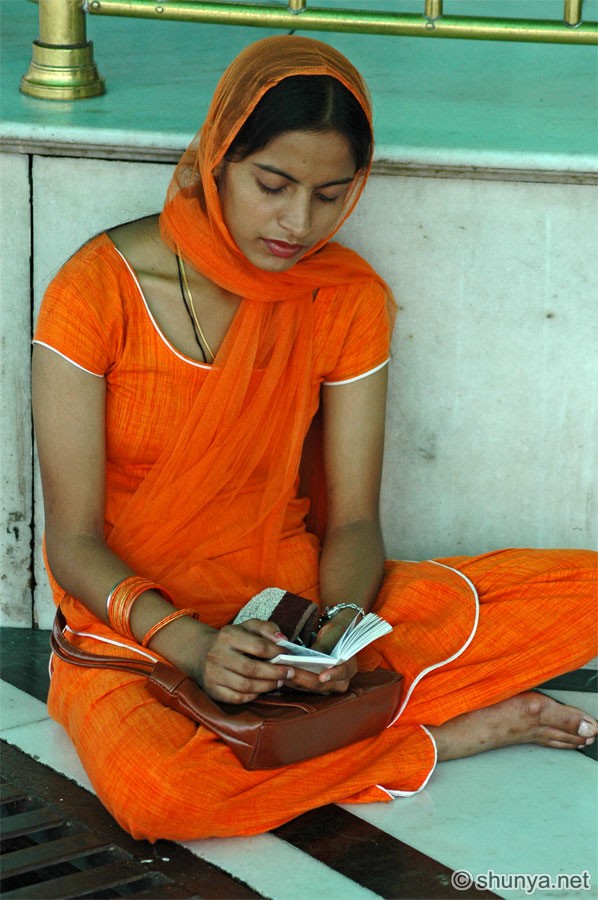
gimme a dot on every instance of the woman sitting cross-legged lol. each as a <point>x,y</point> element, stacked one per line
<point>180,362</point>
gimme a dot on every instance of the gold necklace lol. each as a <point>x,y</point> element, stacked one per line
<point>188,298</point>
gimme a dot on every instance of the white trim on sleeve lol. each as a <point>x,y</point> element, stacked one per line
<point>68,359</point>
<point>357,377</point>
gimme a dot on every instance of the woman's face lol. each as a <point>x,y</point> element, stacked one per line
<point>281,201</point>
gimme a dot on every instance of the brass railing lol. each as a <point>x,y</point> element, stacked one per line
<point>63,67</point>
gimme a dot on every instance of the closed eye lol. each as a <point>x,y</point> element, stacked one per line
<point>270,190</point>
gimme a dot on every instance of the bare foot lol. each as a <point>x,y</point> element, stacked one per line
<point>529,718</point>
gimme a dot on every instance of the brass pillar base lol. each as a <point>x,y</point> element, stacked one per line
<point>62,73</point>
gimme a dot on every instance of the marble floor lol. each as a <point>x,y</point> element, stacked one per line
<point>525,811</point>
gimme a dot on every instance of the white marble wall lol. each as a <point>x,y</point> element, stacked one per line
<point>73,200</point>
<point>16,498</point>
<point>491,409</point>
<point>492,415</point>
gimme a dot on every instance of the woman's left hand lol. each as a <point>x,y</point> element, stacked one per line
<point>336,679</point>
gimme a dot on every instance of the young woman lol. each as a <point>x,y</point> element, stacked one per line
<point>183,364</point>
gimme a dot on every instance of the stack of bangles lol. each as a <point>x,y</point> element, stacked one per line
<point>119,604</point>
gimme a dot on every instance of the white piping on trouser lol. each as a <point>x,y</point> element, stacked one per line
<point>454,656</point>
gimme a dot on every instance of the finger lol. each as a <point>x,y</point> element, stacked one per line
<point>341,673</point>
<point>246,654</point>
<point>224,694</point>
<point>338,686</point>
<point>303,680</point>
<point>226,665</point>
<point>312,682</point>
<point>265,629</point>
<point>253,638</point>
<point>234,687</point>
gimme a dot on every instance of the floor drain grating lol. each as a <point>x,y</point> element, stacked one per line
<point>57,841</point>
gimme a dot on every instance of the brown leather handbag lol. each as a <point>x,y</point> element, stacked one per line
<point>277,729</point>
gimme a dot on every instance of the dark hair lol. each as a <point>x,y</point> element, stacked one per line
<point>305,103</point>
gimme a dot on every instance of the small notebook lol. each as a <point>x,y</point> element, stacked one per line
<point>360,633</point>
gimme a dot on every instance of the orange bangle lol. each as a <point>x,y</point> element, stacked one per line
<point>119,603</point>
<point>121,599</point>
<point>163,622</point>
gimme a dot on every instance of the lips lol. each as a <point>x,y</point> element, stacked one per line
<point>282,249</point>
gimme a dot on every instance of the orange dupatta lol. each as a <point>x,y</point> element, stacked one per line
<point>256,404</point>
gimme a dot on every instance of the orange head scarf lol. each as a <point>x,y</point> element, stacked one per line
<point>192,219</point>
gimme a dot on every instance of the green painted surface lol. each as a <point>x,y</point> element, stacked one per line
<point>451,96</point>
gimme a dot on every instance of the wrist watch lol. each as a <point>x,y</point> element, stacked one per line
<point>331,611</point>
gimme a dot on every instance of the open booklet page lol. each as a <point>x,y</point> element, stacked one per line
<point>358,635</point>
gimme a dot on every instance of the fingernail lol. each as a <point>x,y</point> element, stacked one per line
<point>589,742</point>
<point>325,677</point>
<point>586,729</point>
<point>280,683</point>
<point>291,673</point>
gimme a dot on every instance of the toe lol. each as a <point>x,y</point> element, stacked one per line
<point>555,737</point>
<point>587,728</point>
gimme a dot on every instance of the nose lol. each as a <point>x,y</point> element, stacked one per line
<point>295,217</point>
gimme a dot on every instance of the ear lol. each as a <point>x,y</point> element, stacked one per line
<point>218,172</point>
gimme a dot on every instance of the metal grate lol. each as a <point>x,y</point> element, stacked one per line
<point>47,854</point>
<point>57,841</point>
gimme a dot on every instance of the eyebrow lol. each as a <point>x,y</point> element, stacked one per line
<point>276,171</point>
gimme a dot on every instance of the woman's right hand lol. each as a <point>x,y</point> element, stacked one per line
<point>232,665</point>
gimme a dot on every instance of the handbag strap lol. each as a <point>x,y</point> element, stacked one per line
<point>70,653</point>
<point>173,687</point>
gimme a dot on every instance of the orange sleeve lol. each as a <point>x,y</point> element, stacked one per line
<point>81,314</point>
<point>362,328</point>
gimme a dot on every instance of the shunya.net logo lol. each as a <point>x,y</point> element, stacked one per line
<point>528,882</point>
